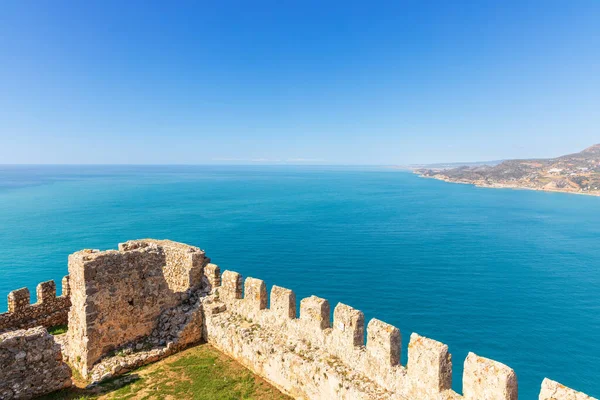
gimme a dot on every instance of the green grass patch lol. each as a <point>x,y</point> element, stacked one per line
<point>58,329</point>
<point>199,373</point>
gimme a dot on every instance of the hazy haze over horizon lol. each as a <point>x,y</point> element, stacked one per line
<point>297,83</point>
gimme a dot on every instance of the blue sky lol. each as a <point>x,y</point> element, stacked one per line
<point>322,82</point>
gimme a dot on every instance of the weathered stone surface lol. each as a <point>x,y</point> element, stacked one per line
<point>66,288</point>
<point>212,273</point>
<point>485,379</point>
<point>231,285</point>
<point>429,366</point>
<point>121,297</point>
<point>18,300</point>
<point>315,312</point>
<point>383,342</point>
<point>349,325</point>
<point>306,358</point>
<point>48,311</point>
<point>552,390</point>
<point>177,328</point>
<point>31,364</point>
<point>45,291</point>
<point>153,298</point>
<point>283,302</point>
<point>255,294</point>
<point>281,350</point>
<point>183,268</point>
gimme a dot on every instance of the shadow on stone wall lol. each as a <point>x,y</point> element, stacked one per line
<point>134,306</point>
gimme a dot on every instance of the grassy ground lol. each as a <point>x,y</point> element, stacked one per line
<point>58,329</point>
<point>199,373</point>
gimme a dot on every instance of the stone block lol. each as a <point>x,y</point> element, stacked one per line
<point>383,342</point>
<point>212,272</point>
<point>283,302</point>
<point>349,324</point>
<point>231,285</point>
<point>429,366</point>
<point>552,390</point>
<point>66,287</point>
<point>18,300</point>
<point>255,294</point>
<point>193,266</point>
<point>314,312</point>
<point>46,291</point>
<point>488,379</point>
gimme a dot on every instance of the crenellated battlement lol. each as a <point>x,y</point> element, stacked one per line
<point>152,298</point>
<point>337,345</point>
<point>49,309</point>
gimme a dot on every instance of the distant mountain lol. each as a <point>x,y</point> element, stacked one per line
<point>444,166</point>
<point>575,173</point>
<point>455,164</point>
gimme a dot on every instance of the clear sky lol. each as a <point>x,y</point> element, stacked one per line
<point>322,82</point>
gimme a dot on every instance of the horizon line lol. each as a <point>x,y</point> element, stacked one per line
<point>205,164</point>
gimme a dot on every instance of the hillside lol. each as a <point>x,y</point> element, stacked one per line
<point>573,173</point>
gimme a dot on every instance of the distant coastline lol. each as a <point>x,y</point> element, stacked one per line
<point>577,173</point>
<point>502,186</point>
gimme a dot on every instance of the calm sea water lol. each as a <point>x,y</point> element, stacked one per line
<point>510,275</point>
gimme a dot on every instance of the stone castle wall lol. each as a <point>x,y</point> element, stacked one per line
<point>552,390</point>
<point>49,310</point>
<point>153,298</point>
<point>119,297</point>
<point>31,364</point>
<point>311,357</point>
<point>183,264</point>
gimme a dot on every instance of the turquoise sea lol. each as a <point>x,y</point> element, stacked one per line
<point>510,275</point>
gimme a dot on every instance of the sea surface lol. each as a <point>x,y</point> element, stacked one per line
<point>510,275</point>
